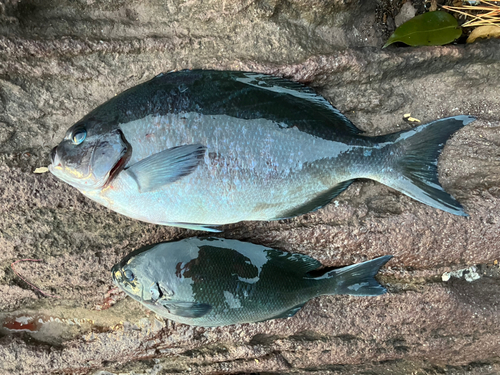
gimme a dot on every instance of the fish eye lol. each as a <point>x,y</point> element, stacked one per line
<point>79,136</point>
<point>129,275</point>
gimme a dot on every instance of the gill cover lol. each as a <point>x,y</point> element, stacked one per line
<point>87,158</point>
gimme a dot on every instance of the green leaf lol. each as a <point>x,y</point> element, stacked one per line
<point>428,29</point>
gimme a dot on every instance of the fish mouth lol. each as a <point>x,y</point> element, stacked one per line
<point>120,282</point>
<point>53,154</point>
<point>55,161</point>
<point>115,271</point>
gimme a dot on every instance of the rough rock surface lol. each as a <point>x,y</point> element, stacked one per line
<point>59,59</point>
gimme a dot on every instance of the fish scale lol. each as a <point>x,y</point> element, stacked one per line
<point>195,149</point>
<point>240,182</point>
<point>214,282</point>
<point>232,304</point>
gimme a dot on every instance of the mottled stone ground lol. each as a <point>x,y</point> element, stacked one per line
<point>60,59</point>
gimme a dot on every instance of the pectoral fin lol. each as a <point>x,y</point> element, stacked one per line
<point>166,167</point>
<point>186,309</point>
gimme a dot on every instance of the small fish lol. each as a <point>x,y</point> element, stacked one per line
<point>198,149</point>
<point>215,282</point>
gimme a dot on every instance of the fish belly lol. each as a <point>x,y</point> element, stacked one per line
<point>252,170</point>
<point>236,307</point>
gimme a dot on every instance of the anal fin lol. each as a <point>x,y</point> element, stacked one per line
<point>317,202</point>
<point>192,226</point>
<point>288,313</point>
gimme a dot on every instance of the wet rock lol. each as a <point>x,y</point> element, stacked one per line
<point>60,60</point>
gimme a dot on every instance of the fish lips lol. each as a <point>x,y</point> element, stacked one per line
<point>116,274</point>
<point>64,158</point>
<point>55,159</point>
<point>53,154</point>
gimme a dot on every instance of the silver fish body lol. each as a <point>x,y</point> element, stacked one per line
<point>197,149</point>
<point>217,282</point>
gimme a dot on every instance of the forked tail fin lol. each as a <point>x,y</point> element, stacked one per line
<point>355,280</point>
<point>415,164</point>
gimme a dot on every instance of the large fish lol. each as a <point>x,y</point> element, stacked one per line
<point>216,282</point>
<point>197,149</point>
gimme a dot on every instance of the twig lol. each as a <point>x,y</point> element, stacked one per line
<point>26,281</point>
<point>490,18</point>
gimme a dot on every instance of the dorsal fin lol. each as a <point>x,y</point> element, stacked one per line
<point>296,89</point>
<point>297,263</point>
